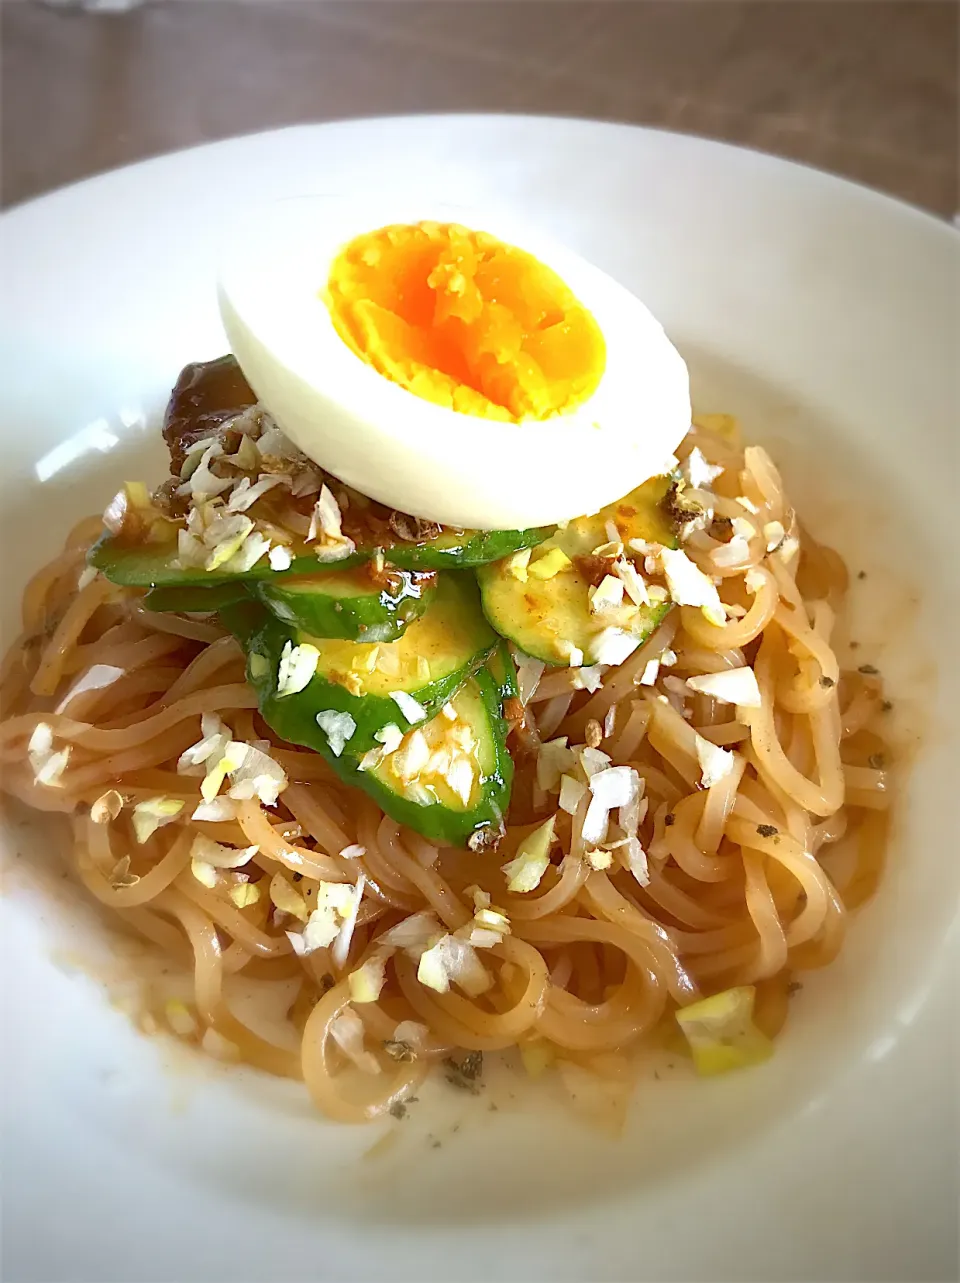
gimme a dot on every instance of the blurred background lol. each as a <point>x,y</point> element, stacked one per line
<point>865,88</point>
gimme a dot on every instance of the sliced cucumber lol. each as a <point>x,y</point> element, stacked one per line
<point>429,662</point>
<point>348,604</point>
<point>546,617</point>
<point>246,619</point>
<point>503,670</point>
<point>464,549</point>
<point>155,565</point>
<point>195,600</point>
<point>429,801</point>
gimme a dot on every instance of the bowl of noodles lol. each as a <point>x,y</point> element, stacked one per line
<point>458,879</point>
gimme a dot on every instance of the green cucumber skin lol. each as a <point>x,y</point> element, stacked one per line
<point>442,824</point>
<point>527,641</point>
<point>187,600</point>
<point>374,616</point>
<point>294,724</point>
<point>503,671</point>
<point>520,615</point>
<point>294,716</point>
<point>438,823</point>
<point>244,619</point>
<point>151,566</point>
<point>452,553</point>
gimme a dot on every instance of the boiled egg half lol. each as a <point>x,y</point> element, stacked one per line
<point>451,364</point>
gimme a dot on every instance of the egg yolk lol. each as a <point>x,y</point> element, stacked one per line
<point>461,319</point>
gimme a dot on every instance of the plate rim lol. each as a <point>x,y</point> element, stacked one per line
<point>892,205</point>
<point>896,203</point>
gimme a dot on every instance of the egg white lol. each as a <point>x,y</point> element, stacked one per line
<point>438,464</point>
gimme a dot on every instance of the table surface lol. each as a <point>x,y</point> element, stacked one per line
<point>863,88</point>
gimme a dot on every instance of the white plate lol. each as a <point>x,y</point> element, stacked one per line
<point>822,314</point>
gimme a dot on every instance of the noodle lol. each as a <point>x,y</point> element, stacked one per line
<point>736,887</point>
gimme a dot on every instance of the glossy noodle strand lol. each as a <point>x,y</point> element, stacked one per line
<point>733,887</point>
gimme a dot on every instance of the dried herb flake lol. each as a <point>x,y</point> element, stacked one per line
<point>397,1049</point>
<point>472,1065</point>
<point>465,1074</point>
